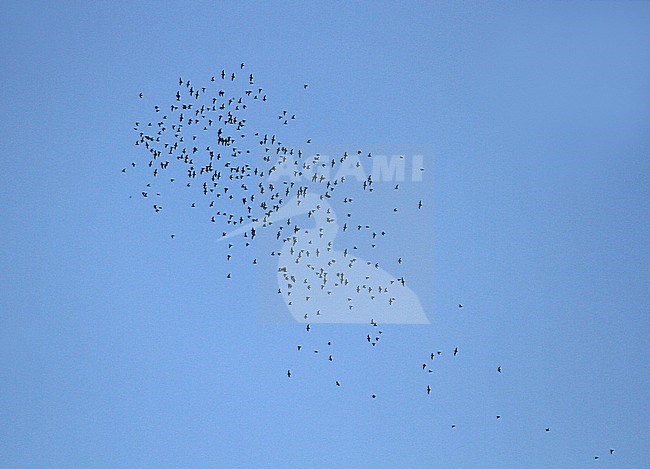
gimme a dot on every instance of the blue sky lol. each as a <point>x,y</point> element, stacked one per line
<point>121,347</point>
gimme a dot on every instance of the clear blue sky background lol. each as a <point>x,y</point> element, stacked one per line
<point>119,347</point>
